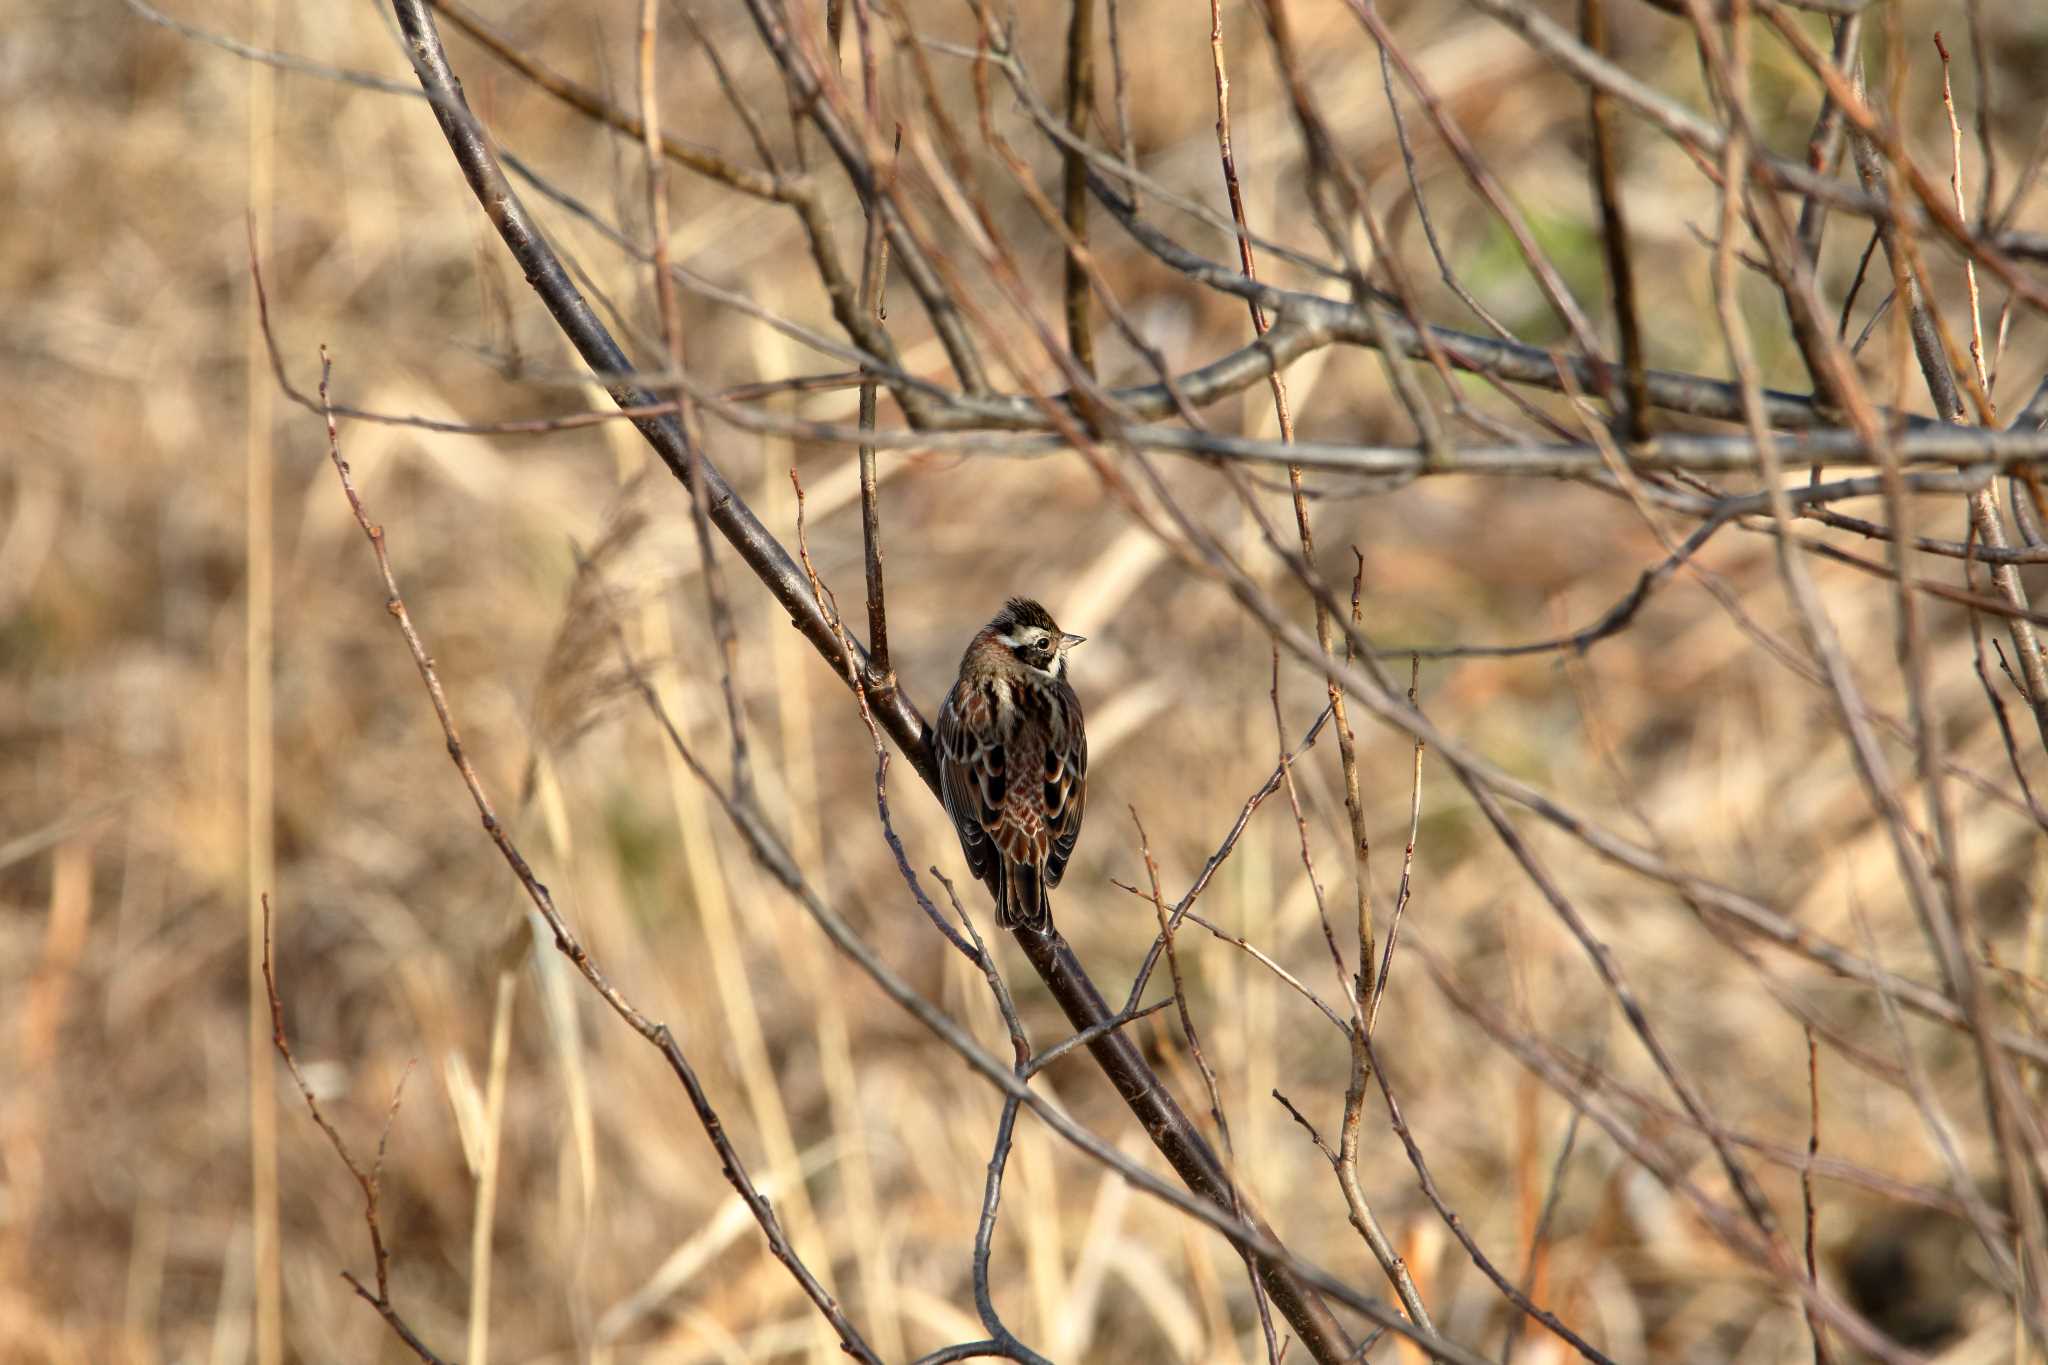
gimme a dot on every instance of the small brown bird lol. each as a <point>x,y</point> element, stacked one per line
<point>1013,760</point>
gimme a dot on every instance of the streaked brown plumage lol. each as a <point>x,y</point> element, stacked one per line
<point>1013,760</point>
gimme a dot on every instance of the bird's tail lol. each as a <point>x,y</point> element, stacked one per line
<point>1022,902</point>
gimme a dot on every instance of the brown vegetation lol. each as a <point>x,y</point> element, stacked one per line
<point>1745,745</point>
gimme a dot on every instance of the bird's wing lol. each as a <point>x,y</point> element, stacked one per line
<point>972,779</point>
<point>1066,782</point>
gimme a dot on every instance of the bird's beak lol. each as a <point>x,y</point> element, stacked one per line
<point>1069,641</point>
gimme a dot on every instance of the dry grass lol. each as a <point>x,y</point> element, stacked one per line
<point>125,1209</point>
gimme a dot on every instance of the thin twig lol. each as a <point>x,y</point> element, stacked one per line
<point>1821,1354</point>
<point>1080,103</point>
<point>1451,1220</point>
<point>368,1181</point>
<point>1614,235</point>
<point>874,278</point>
<point>1188,1031</point>
<point>1379,985</point>
<point>656,1034</point>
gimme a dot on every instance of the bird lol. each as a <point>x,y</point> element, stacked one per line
<point>1013,760</point>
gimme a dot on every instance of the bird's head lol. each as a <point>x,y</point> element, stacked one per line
<point>1027,631</point>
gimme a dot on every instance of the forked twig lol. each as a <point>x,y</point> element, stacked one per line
<point>367,1181</point>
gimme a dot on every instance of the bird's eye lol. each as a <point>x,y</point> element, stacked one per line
<point>1035,649</point>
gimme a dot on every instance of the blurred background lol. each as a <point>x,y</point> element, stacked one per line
<point>165,754</point>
